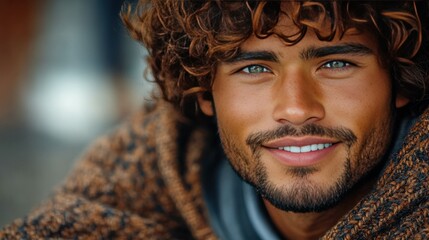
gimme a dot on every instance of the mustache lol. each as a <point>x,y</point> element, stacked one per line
<point>344,135</point>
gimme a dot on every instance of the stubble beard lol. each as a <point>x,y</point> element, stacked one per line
<point>303,195</point>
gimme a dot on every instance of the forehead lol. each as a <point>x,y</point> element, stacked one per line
<point>287,29</point>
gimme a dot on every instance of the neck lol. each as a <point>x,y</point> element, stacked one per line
<point>314,225</point>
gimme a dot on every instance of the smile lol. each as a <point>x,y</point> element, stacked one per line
<point>306,148</point>
<point>303,151</point>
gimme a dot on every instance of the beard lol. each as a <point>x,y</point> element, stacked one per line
<point>304,194</point>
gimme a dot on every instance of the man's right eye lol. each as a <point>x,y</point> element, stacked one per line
<point>252,69</point>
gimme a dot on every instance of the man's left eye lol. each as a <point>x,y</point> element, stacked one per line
<point>336,64</point>
<point>255,69</point>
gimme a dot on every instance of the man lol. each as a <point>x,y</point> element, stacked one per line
<point>279,120</point>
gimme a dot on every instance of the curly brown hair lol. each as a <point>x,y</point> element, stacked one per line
<point>186,39</point>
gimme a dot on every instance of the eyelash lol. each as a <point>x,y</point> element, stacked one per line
<point>346,64</point>
<point>247,70</point>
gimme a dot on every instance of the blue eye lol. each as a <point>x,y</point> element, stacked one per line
<point>252,69</point>
<point>336,64</point>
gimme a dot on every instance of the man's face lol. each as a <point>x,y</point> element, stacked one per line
<point>304,123</point>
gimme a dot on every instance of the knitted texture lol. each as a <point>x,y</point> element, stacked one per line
<point>398,207</point>
<point>143,182</point>
<point>128,186</point>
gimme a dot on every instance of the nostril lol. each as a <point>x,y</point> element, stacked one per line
<point>298,115</point>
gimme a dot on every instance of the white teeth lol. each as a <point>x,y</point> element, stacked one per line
<point>307,148</point>
<point>295,149</point>
<point>313,147</point>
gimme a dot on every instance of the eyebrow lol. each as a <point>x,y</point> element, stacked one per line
<point>307,54</point>
<point>348,48</point>
<point>254,55</point>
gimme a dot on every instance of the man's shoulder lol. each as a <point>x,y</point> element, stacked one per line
<point>117,187</point>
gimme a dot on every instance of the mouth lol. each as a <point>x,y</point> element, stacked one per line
<point>302,151</point>
<point>306,148</point>
<point>301,144</point>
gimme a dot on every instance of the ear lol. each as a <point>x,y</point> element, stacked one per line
<point>401,101</point>
<point>206,104</point>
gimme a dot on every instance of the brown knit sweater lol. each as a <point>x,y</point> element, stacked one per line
<point>139,183</point>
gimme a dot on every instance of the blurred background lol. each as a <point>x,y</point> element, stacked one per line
<point>68,73</point>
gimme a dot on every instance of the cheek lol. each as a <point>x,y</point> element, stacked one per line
<point>235,117</point>
<point>366,109</point>
<point>238,111</point>
<point>363,104</point>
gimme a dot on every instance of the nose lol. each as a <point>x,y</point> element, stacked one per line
<point>297,99</point>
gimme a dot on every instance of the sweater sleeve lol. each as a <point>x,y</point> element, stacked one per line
<point>114,191</point>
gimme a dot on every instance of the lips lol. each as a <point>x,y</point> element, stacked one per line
<point>301,151</point>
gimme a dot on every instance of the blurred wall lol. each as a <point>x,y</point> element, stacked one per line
<point>68,73</point>
<point>18,25</point>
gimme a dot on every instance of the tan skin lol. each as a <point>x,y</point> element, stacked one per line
<point>349,89</point>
